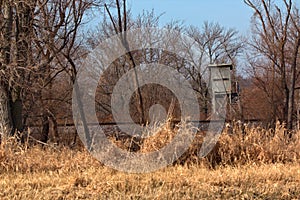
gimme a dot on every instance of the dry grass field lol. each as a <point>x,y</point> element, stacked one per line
<point>248,163</point>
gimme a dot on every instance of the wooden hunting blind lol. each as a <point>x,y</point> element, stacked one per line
<point>220,83</point>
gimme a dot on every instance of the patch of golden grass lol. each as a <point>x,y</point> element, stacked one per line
<point>15,157</point>
<point>237,145</point>
<point>272,181</point>
<point>247,163</point>
<point>159,136</point>
<point>246,145</point>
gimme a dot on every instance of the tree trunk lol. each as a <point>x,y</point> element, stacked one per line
<point>5,51</point>
<point>286,93</point>
<point>291,107</point>
<point>55,127</point>
<point>291,100</point>
<point>16,115</point>
<point>24,24</point>
<point>82,117</point>
<point>45,128</point>
<point>5,119</point>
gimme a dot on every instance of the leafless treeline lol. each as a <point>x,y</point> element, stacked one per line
<point>44,41</point>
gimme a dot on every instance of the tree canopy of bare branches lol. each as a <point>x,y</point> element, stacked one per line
<point>274,56</point>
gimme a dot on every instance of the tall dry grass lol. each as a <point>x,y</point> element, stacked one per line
<point>242,144</point>
<point>24,158</point>
<point>237,145</point>
<point>249,163</point>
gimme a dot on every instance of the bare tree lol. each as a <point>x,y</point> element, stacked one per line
<point>121,27</point>
<point>66,48</point>
<point>215,45</point>
<point>16,32</point>
<point>145,96</point>
<point>275,48</point>
<point>40,41</point>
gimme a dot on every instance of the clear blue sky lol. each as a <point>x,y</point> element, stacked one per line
<point>228,13</point>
